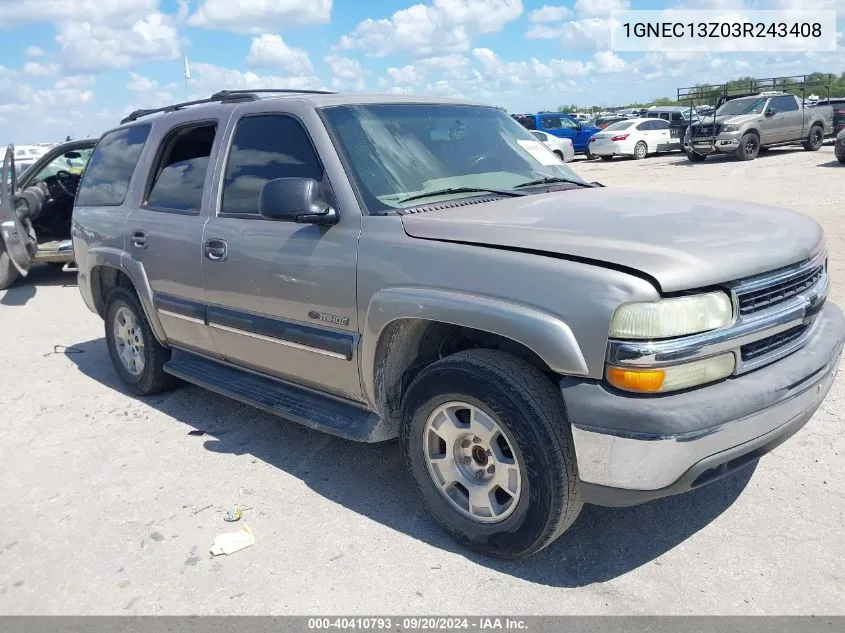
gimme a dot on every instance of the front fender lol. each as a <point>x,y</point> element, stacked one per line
<point>545,334</point>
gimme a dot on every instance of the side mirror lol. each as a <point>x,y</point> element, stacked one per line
<point>295,200</point>
<point>770,112</point>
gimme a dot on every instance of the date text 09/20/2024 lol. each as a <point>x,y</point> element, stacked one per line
<point>418,623</point>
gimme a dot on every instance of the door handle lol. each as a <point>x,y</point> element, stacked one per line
<point>216,250</point>
<point>139,239</point>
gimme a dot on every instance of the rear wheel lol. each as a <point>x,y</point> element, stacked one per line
<point>749,146</point>
<point>815,139</point>
<point>137,356</point>
<point>640,150</point>
<point>485,437</point>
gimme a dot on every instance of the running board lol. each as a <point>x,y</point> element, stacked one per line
<point>288,401</point>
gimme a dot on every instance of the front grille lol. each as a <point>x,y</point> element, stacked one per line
<point>762,347</point>
<point>707,130</point>
<point>756,300</point>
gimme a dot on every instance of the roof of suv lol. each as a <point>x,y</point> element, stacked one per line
<point>228,100</point>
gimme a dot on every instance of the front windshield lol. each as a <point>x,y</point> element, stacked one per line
<point>396,151</point>
<point>63,162</point>
<point>619,125</point>
<point>742,106</point>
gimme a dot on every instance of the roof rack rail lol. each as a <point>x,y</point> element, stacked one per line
<point>749,87</point>
<point>222,96</point>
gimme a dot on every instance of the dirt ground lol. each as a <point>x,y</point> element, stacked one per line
<point>109,504</point>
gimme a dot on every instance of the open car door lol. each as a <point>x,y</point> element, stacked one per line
<point>16,239</point>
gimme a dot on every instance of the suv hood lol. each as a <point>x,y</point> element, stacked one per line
<point>736,119</point>
<point>680,241</point>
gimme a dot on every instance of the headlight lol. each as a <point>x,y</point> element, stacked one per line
<point>730,128</point>
<point>663,379</point>
<point>667,318</point>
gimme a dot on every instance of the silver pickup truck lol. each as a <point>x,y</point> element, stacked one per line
<point>748,125</point>
<point>383,266</point>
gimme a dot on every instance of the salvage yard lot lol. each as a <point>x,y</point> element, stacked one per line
<point>108,504</point>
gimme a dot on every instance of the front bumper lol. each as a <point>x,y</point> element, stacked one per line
<point>723,143</point>
<point>633,448</point>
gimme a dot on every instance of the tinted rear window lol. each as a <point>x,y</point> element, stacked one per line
<point>110,169</point>
<point>621,125</point>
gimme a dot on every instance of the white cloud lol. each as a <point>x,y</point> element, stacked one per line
<point>91,46</point>
<point>588,8</point>
<point>608,62</point>
<point>548,13</point>
<point>257,16</point>
<point>37,69</point>
<point>587,34</point>
<point>34,51</point>
<point>207,79</point>
<point>140,84</point>
<point>543,32</point>
<point>271,51</point>
<point>441,28</point>
<point>113,12</point>
<point>347,74</point>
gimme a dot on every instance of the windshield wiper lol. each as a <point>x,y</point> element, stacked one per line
<point>551,181</point>
<point>444,192</point>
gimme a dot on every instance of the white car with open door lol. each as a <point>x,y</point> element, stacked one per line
<point>562,147</point>
<point>36,207</point>
<point>635,137</point>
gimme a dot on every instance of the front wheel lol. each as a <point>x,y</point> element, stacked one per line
<point>815,139</point>
<point>137,356</point>
<point>485,438</point>
<point>8,272</point>
<point>749,146</point>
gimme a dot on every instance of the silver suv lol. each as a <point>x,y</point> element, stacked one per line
<point>390,266</point>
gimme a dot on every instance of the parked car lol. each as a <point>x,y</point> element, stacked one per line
<point>603,121</point>
<point>560,125</point>
<point>635,137</point>
<point>535,341</point>
<point>839,146</point>
<point>838,105</point>
<point>745,125</point>
<point>562,147</point>
<point>35,208</point>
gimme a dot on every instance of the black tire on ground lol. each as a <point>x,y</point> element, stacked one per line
<point>606,157</point>
<point>749,146</point>
<point>815,139</point>
<point>152,379</point>
<point>840,154</point>
<point>640,150</point>
<point>8,273</point>
<point>695,157</point>
<point>527,406</point>
<point>588,155</point>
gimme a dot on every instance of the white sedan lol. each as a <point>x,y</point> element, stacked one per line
<point>562,147</point>
<point>634,137</point>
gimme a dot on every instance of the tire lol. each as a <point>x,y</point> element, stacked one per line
<point>151,378</point>
<point>606,157</point>
<point>695,157</point>
<point>815,139</point>
<point>749,146</point>
<point>529,412</point>
<point>839,152</point>
<point>640,150</point>
<point>588,155</point>
<point>8,273</point>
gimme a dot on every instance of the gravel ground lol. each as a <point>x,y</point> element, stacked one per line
<point>108,504</point>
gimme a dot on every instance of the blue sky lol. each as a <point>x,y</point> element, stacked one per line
<point>75,66</point>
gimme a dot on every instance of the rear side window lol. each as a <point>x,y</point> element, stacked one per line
<point>527,121</point>
<point>110,169</point>
<point>264,148</point>
<point>179,178</point>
